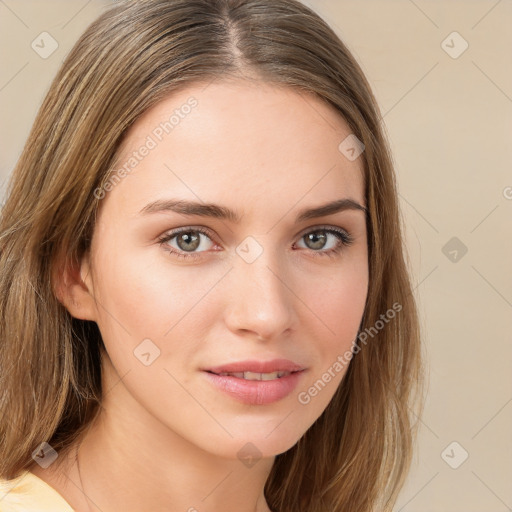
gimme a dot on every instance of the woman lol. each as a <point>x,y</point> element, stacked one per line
<point>204,299</point>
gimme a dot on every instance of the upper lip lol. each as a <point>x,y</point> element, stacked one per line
<point>255,366</point>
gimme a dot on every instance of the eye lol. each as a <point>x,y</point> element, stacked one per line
<point>188,240</point>
<point>318,239</point>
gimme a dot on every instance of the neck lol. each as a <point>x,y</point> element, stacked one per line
<point>162,471</point>
<point>128,460</point>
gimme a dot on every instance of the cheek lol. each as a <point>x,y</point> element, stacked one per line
<point>339,303</point>
<point>132,298</point>
<point>145,297</point>
<point>338,308</point>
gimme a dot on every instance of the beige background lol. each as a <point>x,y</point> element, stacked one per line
<point>450,124</point>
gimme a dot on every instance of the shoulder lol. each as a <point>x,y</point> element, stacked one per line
<point>29,493</point>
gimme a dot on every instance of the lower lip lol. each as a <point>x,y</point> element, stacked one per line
<point>256,392</point>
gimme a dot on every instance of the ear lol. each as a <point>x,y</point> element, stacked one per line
<point>72,284</point>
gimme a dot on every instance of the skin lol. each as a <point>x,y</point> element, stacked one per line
<point>166,439</point>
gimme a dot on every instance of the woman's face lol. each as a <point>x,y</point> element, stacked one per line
<point>253,278</point>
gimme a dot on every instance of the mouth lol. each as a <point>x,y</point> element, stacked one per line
<point>257,369</point>
<point>255,375</point>
<point>256,382</point>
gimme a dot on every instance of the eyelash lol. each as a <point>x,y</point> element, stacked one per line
<point>345,240</point>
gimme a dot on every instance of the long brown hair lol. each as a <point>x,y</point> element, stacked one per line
<point>356,456</point>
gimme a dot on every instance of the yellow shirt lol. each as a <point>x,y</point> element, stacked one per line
<point>28,493</point>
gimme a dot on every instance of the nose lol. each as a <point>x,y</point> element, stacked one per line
<point>261,301</point>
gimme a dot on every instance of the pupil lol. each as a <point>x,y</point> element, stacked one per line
<point>318,240</point>
<point>188,239</point>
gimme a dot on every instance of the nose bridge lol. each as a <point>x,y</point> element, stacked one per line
<point>261,300</point>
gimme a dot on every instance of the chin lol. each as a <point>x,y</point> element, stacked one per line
<point>255,442</point>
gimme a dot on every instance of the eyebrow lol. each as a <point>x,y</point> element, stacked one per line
<point>221,212</point>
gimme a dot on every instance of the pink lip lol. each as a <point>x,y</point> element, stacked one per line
<point>275,365</point>
<point>256,392</point>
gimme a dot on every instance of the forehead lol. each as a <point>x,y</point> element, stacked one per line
<point>238,139</point>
